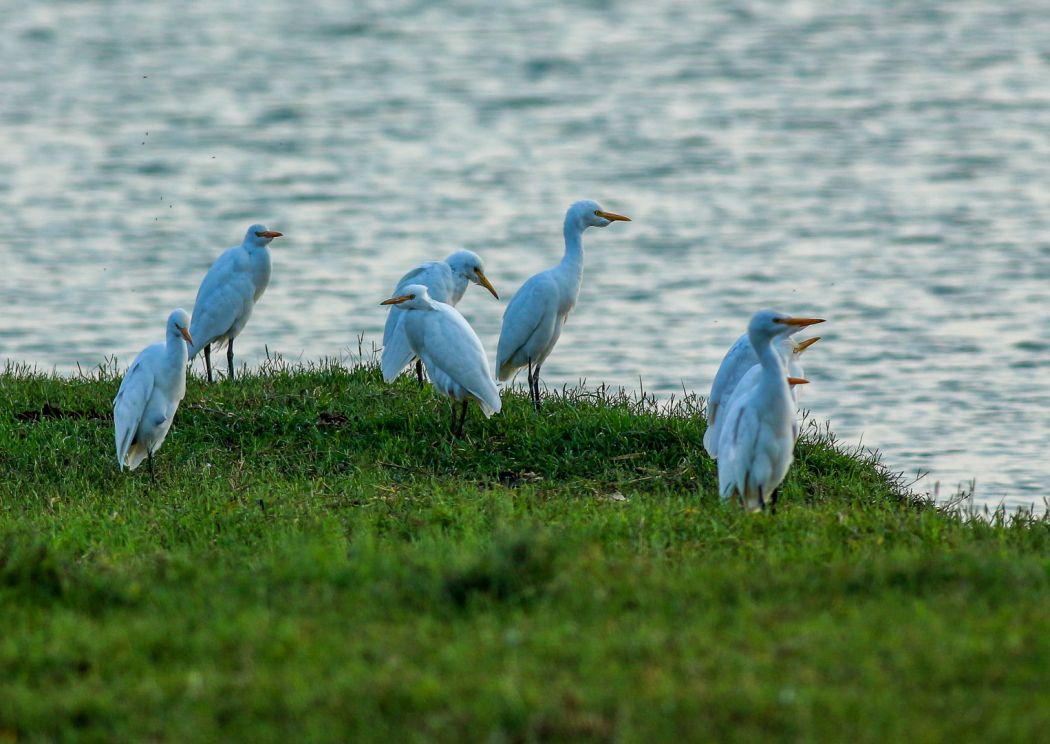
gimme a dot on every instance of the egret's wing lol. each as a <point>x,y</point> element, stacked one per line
<point>532,308</point>
<point>397,352</point>
<point>451,345</point>
<point>225,294</point>
<point>737,441</point>
<point>436,276</point>
<point>738,360</point>
<point>132,397</point>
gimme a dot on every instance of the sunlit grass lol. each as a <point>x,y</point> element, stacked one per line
<point>319,559</point>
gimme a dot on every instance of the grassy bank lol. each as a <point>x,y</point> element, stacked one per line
<point>320,560</point>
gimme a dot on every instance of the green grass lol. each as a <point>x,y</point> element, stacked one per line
<point>320,561</point>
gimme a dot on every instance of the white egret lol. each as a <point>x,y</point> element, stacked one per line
<point>228,294</point>
<point>738,363</point>
<point>757,438</point>
<point>446,281</point>
<point>535,316</point>
<point>150,394</point>
<point>451,351</point>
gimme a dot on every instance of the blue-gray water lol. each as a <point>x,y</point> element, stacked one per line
<point>884,165</point>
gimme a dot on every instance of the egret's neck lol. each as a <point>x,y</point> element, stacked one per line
<point>769,357</point>
<point>459,287</point>
<point>176,347</point>
<point>573,258</point>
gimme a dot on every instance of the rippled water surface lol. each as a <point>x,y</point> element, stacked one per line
<point>884,165</point>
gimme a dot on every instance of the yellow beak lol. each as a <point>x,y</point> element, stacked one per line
<point>484,281</point>
<point>612,216</point>
<point>186,334</point>
<point>797,381</point>
<point>268,234</point>
<point>803,345</point>
<point>800,322</point>
<point>398,300</point>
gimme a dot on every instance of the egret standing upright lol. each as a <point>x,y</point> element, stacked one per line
<point>150,393</point>
<point>535,316</point>
<point>738,364</point>
<point>451,351</point>
<point>446,281</point>
<point>757,438</point>
<point>228,294</point>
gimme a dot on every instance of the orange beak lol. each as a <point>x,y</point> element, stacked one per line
<point>803,345</point>
<point>612,216</point>
<point>268,234</point>
<point>398,300</point>
<point>186,334</point>
<point>797,381</point>
<point>800,322</point>
<point>484,281</point>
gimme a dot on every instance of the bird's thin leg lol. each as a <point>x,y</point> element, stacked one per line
<point>452,426</point>
<point>207,361</point>
<point>229,357</point>
<point>532,395</point>
<point>462,418</point>
<point>419,371</point>
<point>761,499</point>
<point>536,382</point>
<point>773,500</point>
<point>149,458</point>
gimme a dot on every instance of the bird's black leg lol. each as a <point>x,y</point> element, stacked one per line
<point>462,418</point>
<point>229,357</point>
<point>419,371</point>
<point>207,361</point>
<point>761,500</point>
<point>773,500</point>
<point>152,475</point>
<point>536,384</point>
<point>534,390</point>
<point>458,418</point>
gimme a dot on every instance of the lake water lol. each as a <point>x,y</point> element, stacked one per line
<point>883,165</point>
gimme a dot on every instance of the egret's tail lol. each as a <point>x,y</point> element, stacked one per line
<point>488,399</point>
<point>136,454</point>
<point>506,370</point>
<point>396,355</point>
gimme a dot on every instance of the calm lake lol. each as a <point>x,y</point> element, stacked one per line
<point>883,165</point>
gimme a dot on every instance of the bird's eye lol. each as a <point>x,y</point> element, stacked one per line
<point>597,213</point>
<point>411,297</point>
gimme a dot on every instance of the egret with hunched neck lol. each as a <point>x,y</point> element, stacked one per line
<point>534,318</point>
<point>228,294</point>
<point>446,281</point>
<point>150,393</point>
<point>451,351</point>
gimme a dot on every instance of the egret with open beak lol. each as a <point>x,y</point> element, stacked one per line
<point>757,436</point>
<point>735,366</point>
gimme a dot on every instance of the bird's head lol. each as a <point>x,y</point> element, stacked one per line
<point>587,213</point>
<point>469,265</point>
<point>179,324</point>
<point>767,325</point>
<point>413,297</point>
<point>258,236</point>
